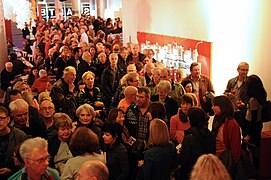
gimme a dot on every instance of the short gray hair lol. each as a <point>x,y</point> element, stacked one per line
<point>164,84</point>
<point>68,69</point>
<point>29,145</point>
<point>18,103</point>
<point>42,73</point>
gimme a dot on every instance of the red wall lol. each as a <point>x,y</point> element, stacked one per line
<point>204,48</point>
<point>8,30</point>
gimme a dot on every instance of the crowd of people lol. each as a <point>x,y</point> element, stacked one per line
<point>92,106</point>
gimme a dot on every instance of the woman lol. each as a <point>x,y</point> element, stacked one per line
<point>189,88</point>
<point>91,95</point>
<point>86,115</point>
<point>33,75</point>
<point>209,167</point>
<point>84,144</point>
<point>225,129</point>
<point>117,115</point>
<point>157,110</point>
<point>257,97</point>
<point>179,122</point>
<point>161,157</point>
<point>116,153</point>
<point>171,105</point>
<point>197,141</point>
<point>58,145</point>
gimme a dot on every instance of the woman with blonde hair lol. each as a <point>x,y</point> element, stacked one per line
<point>161,157</point>
<point>209,167</point>
<point>92,94</point>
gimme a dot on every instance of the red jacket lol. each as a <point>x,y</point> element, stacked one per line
<point>40,84</point>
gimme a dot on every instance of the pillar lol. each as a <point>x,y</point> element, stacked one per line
<point>100,4</point>
<point>3,41</point>
<point>58,6</point>
<point>34,9</point>
<point>76,7</point>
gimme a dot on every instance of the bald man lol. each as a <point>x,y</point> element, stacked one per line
<point>93,170</point>
<point>130,97</point>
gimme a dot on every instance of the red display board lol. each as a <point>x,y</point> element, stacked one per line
<point>204,48</point>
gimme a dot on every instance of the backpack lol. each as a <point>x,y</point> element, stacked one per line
<point>266,112</point>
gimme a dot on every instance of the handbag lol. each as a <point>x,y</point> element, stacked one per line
<point>227,160</point>
<point>242,170</point>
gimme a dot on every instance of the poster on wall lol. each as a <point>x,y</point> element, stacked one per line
<point>177,52</point>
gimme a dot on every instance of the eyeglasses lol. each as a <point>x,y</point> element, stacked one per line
<point>3,118</point>
<point>41,160</point>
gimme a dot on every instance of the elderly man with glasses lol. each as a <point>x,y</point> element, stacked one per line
<point>34,153</point>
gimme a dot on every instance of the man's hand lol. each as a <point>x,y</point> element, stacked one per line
<point>71,87</point>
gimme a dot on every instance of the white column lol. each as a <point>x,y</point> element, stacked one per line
<point>59,14</point>
<point>100,7</point>
<point>76,8</point>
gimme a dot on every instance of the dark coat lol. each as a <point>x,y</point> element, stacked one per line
<point>159,161</point>
<point>110,82</point>
<point>170,104</point>
<point>16,137</point>
<point>196,143</point>
<point>117,162</point>
<point>6,77</point>
<point>63,99</point>
<point>36,128</point>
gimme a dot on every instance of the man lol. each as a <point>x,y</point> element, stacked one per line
<point>137,120</point>
<point>8,76</point>
<point>156,79</point>
<point>131,68</point>
<point>85,65</point>
<point>124,59</point>
<point>177,89</point>
<point>94,169</point>
<point>110,79</point>
<point>148,72</point>
<point>19,67</point>
<point>25,121</point>
<point>236,87</point>
<point>203,86</point>
<point>76,58</point>
<point>34,153</point>
<point>9,138</point>
<point>130,93</point>
<point>63,95</point>
<point>136,56</point>
<point>47,111</point>
<point>84,36</point>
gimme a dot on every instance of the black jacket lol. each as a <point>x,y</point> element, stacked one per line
<point>63,99</point>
